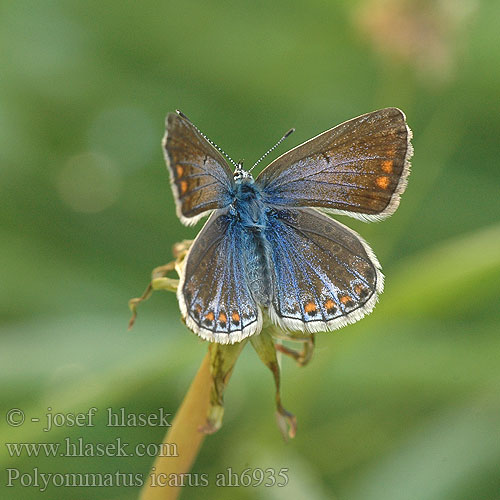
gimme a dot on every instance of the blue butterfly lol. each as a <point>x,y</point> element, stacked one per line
<point>266,247</point>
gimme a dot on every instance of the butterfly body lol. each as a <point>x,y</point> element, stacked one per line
<point>266,249</point>
<point>250,218</point>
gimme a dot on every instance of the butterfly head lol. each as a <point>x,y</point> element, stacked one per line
<point>240,174</point>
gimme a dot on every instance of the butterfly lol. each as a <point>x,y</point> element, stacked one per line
<point>268,247</point>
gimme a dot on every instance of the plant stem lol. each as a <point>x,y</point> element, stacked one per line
<point>185,434</point>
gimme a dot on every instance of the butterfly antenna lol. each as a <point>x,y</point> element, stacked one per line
<point>180,113</point>
<point>272,149</point>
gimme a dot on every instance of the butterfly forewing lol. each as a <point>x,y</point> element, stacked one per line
<point>213,294</point>
<point>358,168</point>
<point>324,274</point>
<point>200,177</point>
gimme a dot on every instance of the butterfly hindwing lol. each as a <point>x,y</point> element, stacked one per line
<point>358,168</point>
<point>200,177</point>
<point>324,275</point>
<point>213,293</point>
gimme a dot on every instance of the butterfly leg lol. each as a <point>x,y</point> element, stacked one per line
<point>301,357</point>
<point>222,361</point>
<point>264,345</point>
<point>181,249</point>
<point>159,281</point>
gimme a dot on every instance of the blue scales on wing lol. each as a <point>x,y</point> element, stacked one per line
<point>200,177</point>
<point>214,292</point>
<point>324,275</point>
<point>358,168</point>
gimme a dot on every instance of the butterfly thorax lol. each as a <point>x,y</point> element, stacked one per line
<point>248,206</point>
<point>249,211</point>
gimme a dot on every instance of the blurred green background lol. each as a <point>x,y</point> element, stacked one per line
<point>404,404</point>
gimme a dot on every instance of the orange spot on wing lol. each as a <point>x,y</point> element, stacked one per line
<point>210,316</point>
<point>310,307</point>
<point>391,152</point>
<point>345,299</point>
<point>387,166</point>
<point>358,289</point>
<point>382,182</point>
<point>180,170</point>
<point>329,304</point>
<point>222,317</point>
<point>235,317</point>
<point>183,186</point>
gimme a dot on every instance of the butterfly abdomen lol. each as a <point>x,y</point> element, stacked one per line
<point>257,266</point>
